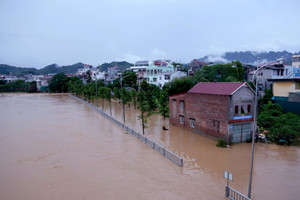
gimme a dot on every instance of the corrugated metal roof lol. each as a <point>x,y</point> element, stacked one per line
<point>217,88</point>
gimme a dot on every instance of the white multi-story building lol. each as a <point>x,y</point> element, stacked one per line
<point>296,61</point>
<point>157,67</point>
<point>166,77</point>
<point>95,73</point>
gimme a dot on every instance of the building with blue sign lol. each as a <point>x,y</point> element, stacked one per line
<point>219,109</point>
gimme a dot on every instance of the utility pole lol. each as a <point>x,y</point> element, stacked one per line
<point>253,129</point>
<point>260,68</point>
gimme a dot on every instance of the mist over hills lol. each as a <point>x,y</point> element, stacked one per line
<point>250,57</point>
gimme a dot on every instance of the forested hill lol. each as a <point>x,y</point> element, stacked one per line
<point>69,69</point>
<point>54,68</point>
<point>122,65</point>
<point>250,57</point>
<point>7,69</point>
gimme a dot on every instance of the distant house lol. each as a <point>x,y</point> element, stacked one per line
<point>140,69</point>
<point>157,67</point>
<point>195,65</point>
<point>223,110</point>
<point>296,61</point>
<point>270,72</point>
<point>286,91</point>
<point>42,83</point>
<point>166,77</point>
<point>95,73</point>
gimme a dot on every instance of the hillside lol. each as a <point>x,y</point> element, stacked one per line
<point>50,69</point>
<point>7,69</point>
<point>250,57</point>
<point>122,65</point>
<point>54,68</point>
<point>68,69</point>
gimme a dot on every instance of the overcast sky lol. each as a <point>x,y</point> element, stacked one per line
<point>36,33</point>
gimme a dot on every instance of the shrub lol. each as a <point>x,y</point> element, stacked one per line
<point>221,143</point>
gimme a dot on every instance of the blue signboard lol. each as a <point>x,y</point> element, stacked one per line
<point>297,72</point>
<point>242,117</point>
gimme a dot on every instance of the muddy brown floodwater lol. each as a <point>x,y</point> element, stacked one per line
<point>54,147</point>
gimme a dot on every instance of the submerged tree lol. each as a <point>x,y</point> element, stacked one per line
<point>145,109</point>
<point>125,98</point>
<point>133,95</point>
<point>108,97</point>
<point>164,103</point>
<point>101,94</point>
<point>58,83</point>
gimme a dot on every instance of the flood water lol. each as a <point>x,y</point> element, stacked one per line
<point>55,147</point>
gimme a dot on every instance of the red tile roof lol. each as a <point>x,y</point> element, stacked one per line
<point>217,88</point>
<point>200,62</point>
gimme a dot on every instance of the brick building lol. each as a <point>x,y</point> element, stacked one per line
<point>223,110</point>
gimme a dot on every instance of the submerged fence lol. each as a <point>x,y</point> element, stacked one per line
<point>163,151</point>
<point>234,194</point>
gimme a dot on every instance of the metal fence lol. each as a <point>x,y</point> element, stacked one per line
<point>163,151</point>
<point>234,194</point>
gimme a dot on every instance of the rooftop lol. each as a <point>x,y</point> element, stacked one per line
<point>217,88</point>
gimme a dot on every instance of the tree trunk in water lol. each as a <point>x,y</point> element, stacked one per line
<point>123,112</point>
<point>110,108</point>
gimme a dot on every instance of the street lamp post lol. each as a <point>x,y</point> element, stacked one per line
<point>253,130</point>
<point>258,71</point>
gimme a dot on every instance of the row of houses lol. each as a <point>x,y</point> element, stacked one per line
<point>42,81</point>
<point>156,72</point>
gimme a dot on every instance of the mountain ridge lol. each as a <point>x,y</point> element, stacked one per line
<point>250,57</point>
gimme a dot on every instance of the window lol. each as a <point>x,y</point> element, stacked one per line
<point>216,124</point>
<point>154,79</point>
<point>297,85</point>
<point>160,78</point>
<point>192,123</point>
<point>236,110</point>
<point>243,110</point>
<point>181,105</point>
<point>181,118</point>
<point>174,104</point>
<point>248,108</point>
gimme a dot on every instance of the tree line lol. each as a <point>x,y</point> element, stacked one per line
<point>18,86</point>
<point>148,98</point>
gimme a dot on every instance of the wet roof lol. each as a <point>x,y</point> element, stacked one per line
<point>217,88</point>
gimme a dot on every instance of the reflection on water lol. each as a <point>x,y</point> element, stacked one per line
<point>54,147</point>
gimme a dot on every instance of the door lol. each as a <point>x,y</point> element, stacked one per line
<point>241,132</point>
